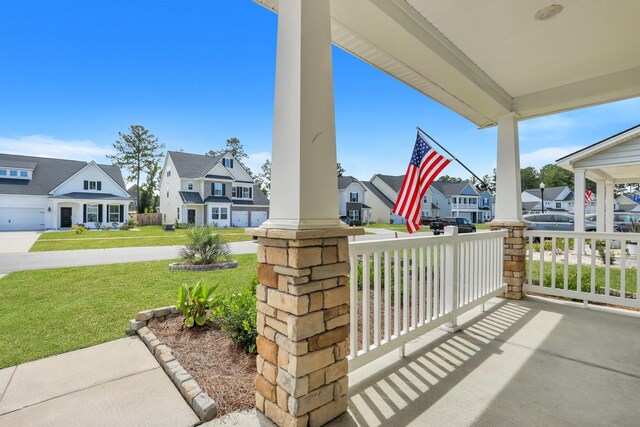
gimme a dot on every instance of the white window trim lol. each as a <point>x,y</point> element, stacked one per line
<point>93,185</point>
<point>190,186</point>
<point>351,197</point>
<point>117,213</point>
<point>89,213</point>
<point>355,217</point>
<point>215,189</point>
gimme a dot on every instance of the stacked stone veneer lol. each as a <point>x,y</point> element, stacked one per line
<point>514,257</point>
<point>303,325</point>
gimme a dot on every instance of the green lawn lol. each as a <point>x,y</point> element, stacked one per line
<point>614,281</point>
<point>46,312</point>
<point>151,235</point>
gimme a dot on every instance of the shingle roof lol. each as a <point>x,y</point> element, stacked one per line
<point>217,199</point>
<point>133,191</point>
<point>452,188</point>
<point>48,174</point>
<point>259,198</point>
<point>345,181</point>
<point>528,206</point>
<point>393,181</point>
<point>378,194</point>
<point>91,196</point>
<point>190,165</point>
<point>550,193</point>
<point>192,197</point>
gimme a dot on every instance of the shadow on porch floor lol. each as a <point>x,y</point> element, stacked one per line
<point>530,362</point>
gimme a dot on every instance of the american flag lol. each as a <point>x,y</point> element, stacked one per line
<point>426,163</point>
<point>588,196</point>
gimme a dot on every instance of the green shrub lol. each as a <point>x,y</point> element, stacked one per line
<point>182,225</point>
<point>194,301</point>
<point>78,229</point>
<point>237,314</point>
<point>205,246</point>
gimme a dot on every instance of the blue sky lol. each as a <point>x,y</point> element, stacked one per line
<point>75,73</point>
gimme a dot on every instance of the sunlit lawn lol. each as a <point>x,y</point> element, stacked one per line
<point>151,235</point>
<point>585,281</point>
<point>46,312</point>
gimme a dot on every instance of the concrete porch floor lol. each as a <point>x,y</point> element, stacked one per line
<point>529,362</point>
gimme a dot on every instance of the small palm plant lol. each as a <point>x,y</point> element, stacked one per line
<point>194,301</point>
<point>205,246</point>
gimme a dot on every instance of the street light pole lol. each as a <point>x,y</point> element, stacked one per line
<point>542,195</point>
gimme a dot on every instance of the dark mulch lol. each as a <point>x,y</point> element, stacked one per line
<point>225,372</point>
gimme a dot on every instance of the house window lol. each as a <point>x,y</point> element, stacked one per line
<point>234,192</point>
<point>473,201</point>
<point>558,205</point>
<point>217,189</point>
<point>354,215</point>
<point>189,186</point>
<point>3,172</point>
<point>425,214</point>
<point>13,173</point>
<point>178,213</point>
<point>246,192</point>
<point>114,213</point>
<point>455,200</point>
<point>168,174</point>
<point>215,213</point>
<point>228,163</point>
<point>92,185</point>
<point>424,199</point>
<point>92,213</point>
<point>353,197</point>
<point>24,173</point>
<point>223,213</point>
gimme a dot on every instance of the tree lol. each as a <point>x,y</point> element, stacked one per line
<point>264,177</point>
<point>447,178</point>
<point>137,152</point>
<point>529,178</point>
<point>149,197</point>
<point>234,146</point>
<point>340,169</point>
<point>555,176</point>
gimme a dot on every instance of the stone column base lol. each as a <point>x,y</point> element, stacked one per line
<point>514,256</point>
<point>302,324</point>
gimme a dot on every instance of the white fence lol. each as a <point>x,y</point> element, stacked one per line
<point>597,267</point>
<point>418,284</point>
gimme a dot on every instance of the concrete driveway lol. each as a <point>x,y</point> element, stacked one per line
<point>17,241</point>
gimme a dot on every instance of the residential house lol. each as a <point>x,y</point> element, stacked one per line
<point>200,189</point>
<point>465,201</point>
<point>556,199</point>
<point>38,193</point>
<point>351,199</point>
<point>629,202</point>
<point>133,193</point>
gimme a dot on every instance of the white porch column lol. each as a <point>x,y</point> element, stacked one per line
<point>600,206</point>
<point>578,201</point>
<point>508,198</point>
<point>609,207</point>
<point>304,186</point>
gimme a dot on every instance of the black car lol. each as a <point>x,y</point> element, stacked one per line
<point>463,224</point>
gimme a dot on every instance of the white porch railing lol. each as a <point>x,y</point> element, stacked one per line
<point>466,206</point>
<point>418,284</point>
<point>597,267</point>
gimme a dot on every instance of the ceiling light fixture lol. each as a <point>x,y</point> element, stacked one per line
<point>548,12</point>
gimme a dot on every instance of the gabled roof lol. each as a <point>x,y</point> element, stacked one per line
<point>384,199</point>
<point>345,181</point>
<point>217,199</point>
<point>454,188</point>
<point>550,193</point>
<point>190,165</point>
<point>48,174</point>
<point>133,191</point>
<point>393,181</point>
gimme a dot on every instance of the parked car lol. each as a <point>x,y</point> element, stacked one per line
<point>427,220</point>
<point>350,222</point>
<point>555,222</point>
<point>621,221</point>
<point>463,224</point>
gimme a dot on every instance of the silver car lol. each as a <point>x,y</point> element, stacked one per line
<point>555,222</point>
<point>621,221</point>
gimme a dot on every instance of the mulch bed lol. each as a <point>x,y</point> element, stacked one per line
<point>225,372</point>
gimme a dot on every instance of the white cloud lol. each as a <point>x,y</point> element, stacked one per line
<point>256,160</point>
<point>47,146</point>
<point>544,156</point>
<point>546,129</point>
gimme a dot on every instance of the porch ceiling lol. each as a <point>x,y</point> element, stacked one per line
<point>484,59</point>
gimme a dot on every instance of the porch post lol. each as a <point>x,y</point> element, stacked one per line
<point>508,205</point>
<point>601,201</point>
<point>578,200</point>
<point>610,204</point>
<point>303,252</point>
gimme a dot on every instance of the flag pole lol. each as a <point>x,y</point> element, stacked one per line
<point>453,157</point>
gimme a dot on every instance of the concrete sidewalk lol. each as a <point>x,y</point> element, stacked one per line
<point>118,383</point>
<point>55,259</point>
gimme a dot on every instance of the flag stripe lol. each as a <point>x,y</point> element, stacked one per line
<point>425,165</point>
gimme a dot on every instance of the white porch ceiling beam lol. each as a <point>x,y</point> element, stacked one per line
<point>611,87</point>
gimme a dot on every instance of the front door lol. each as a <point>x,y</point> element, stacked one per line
<point>65,217</point>
<point>191,216</point>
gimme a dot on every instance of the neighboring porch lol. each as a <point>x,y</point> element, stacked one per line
<point>88,210</point>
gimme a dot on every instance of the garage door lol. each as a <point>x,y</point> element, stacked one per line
<point>257,218</point>
<point>21,219</point>
<point>240,219</point>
